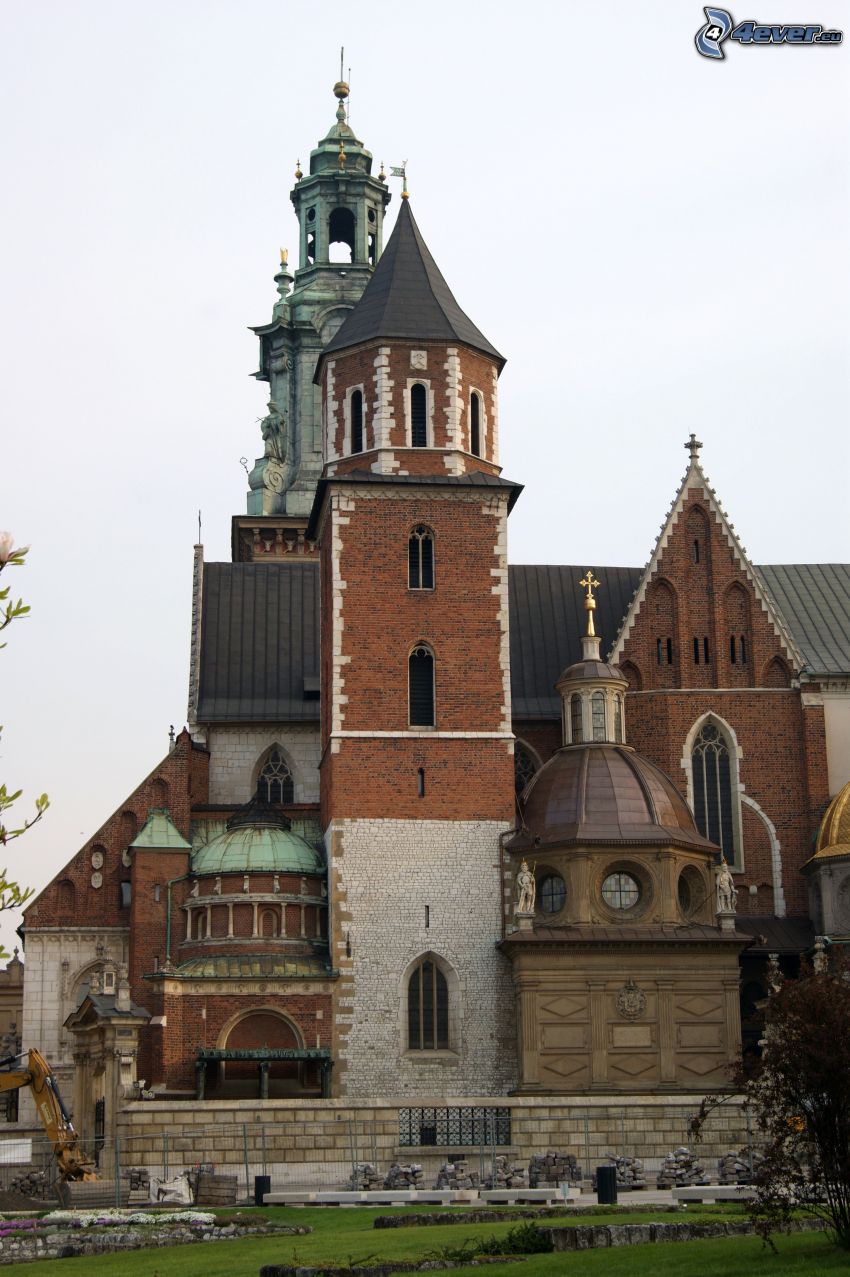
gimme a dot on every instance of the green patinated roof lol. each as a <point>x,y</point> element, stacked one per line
<point>263,966</point>
<point>159,834</point>
<point>257,839</point>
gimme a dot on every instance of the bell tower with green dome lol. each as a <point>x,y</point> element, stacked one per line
<point>340,207</point>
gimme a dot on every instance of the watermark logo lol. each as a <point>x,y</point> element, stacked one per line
<point>720,26</point>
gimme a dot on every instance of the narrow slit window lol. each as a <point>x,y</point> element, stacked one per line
<point>421,687</point>
<point>732,652</point>
<point>420,782</point>
<point>669,651</point>
<point>420,559</point>
<point>357,421</point>
<point>706,651</point>
<point>475,425</point>
<point>658,651</point>
<point>743,650</point>
<point>696,551</point>
<point>696,651</point>
<point>419,416</point>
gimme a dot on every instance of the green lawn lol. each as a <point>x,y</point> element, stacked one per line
<point>343,1236</point>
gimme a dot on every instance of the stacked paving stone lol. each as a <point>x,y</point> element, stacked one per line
<point>630,1172</point>
<point>456,1175</point>
<point>680,1169</point>
<point>402,1177</point>
<point>31,1184</point>
<point>547,1169</point>
<point>139,1177</point>
<point>365,1178</point>
<point>734,1168</point>
<point>506,1175</point>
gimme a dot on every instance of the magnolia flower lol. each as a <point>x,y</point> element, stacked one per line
<point>6,543</point>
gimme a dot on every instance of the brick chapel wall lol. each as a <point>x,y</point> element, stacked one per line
<point>704,594</point>
<point>401,889</point>
<point>71,917</point>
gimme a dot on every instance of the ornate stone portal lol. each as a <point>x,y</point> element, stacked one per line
<point>625,883</point>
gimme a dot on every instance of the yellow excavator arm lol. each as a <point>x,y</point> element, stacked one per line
<point>70,1159</point>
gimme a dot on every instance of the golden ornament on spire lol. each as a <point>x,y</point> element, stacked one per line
<point>284,256</point>
<point>590,583</point>
<point>298,173</point>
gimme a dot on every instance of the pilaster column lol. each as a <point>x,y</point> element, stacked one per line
<point>303,921</point>
<point>732,1007</point>
<point>188,924</point>
<point>254,931</point>
<point>209,920</point>
<point>529,1061</point>
<point>264,1079</point>
<point>599,1052</point>
<point>666,1030</point>
<point>230,920</point>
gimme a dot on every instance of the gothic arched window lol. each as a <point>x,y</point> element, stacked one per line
<point>420,559</point>
<point>475,424</point>
<point>427,1008</point>
<point>713,800</point>
<point>525,766</point>
<point>274,784</point>
<point>357,421</point>
<point>420,667</point>
<point>418,416</point>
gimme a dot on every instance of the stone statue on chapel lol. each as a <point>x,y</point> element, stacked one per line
<point>727,895</point>
<point>272,429</point>
<point>526,889</point>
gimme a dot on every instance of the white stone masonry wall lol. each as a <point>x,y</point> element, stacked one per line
<point>384,874</point>
<point>235,753</point>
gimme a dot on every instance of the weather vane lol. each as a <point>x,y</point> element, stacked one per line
<point>401,171</point>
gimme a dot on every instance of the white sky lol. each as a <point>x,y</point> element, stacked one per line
<point>657,243</point>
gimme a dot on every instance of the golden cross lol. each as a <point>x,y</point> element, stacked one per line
<point>590,602</point>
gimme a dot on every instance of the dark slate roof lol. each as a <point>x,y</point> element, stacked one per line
<point>407,297</point>
<point>474,479</point>
<point>259,642</point>
<point>547,622</point>
<point>776,935</point>
<point>260,630</point>
<point>814,600</point>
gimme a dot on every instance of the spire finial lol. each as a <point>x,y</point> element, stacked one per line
<point>590,583</point>
<point>298,173</point>
<point>693,445</point>
<point>341,90</point>
<point>401,171</point>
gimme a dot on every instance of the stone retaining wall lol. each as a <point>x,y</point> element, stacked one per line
<point>313,1141</point>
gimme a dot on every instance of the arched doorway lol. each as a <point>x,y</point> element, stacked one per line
<point>263,1030</point>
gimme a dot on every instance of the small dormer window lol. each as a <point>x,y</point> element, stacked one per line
<point>418,415</point>
<point>475,424</point>
<point>357,421</point>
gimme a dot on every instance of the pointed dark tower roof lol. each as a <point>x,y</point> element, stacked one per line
<point>407,297</point>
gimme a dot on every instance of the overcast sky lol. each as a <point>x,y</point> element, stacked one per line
<point>658,243</point>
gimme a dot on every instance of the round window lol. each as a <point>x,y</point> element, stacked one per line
<point>552,894</point>
<point>371,215</point>
<point>311,215</point>
<point>620,891</point>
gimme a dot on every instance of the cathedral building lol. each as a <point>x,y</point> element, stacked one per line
<point>420,837</point>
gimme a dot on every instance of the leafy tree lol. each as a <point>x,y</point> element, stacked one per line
<point>799,1092</point>
<point>13,896</point>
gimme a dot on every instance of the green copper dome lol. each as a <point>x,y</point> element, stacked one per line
<point>258,839</point>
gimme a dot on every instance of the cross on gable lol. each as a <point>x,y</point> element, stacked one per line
<point>693,445</point>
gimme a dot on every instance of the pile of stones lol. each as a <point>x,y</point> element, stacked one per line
<point>365,1178</point>
<point>402,1177</point>
<point>505,1175</point>
<point>679,1169</point>
<point>630,1172</point>
<point>547,1169</point>
<point>456,1175</point>
<point>31,1184</point>
<point>139,1177</point>
<point>734,1168</point>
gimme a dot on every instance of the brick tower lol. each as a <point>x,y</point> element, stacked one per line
<point>417,747</point>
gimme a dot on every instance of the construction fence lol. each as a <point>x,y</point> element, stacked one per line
<point>307,1149</point>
